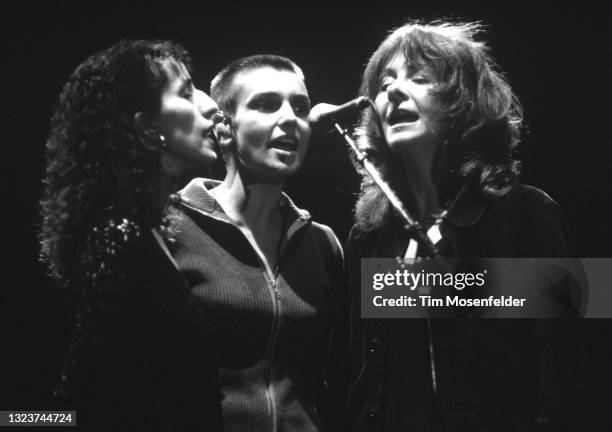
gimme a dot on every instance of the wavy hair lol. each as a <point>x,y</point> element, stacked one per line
<point>474,96</point>
<point>97,167</point>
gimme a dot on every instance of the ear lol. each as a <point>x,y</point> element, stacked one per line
<point>146,128</point>
<point>225,134</point>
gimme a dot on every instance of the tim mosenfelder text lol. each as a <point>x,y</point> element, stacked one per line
<point>428,280</point>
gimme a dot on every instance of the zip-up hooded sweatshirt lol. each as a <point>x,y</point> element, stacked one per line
<point>271,330</point>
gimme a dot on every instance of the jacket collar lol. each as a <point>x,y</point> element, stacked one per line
<point>197,195</point>
<point>466,209</point>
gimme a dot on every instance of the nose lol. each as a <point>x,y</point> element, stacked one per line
<point>396,91</point>
<point>206,105</point>
<point>287,115</point>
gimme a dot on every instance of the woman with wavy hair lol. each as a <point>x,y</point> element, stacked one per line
<point>450,124</point>
<point>128,124</point>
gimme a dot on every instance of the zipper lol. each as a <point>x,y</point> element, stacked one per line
<point>271,279</point>
<point>275,294</point>
<point>277,309</point>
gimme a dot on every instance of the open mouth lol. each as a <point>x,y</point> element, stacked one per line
<point>285,143</point>
<point>402,116</point>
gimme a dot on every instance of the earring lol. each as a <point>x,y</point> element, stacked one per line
<point>162,140</point>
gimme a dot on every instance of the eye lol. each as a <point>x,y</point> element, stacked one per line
<point>421,78</point>
<point>187,92</point>
<point>301,108</point>
<point>266,104</point>
<point>385,83</point>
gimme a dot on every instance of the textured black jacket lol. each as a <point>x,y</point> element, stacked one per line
<point>492,375</point>
<point>140,357</point>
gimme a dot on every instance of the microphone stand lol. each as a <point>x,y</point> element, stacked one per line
<point>415,229</point>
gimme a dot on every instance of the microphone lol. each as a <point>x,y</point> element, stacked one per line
<point>324,112</point>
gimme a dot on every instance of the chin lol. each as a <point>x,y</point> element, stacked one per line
<point>288,165</point>
<point>270,174</point>
<point>401,137</point>
<point>283,171</point>
<point>400,141</point>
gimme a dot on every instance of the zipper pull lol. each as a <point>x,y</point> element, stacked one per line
<point>275,288</point>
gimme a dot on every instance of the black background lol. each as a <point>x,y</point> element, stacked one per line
<point>554,55</point>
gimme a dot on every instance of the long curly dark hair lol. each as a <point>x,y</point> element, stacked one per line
<point>484,113</point>
<point>97,167</point>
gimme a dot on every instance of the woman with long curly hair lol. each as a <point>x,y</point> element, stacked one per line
<point>450,124</point>
<point>128,124</point>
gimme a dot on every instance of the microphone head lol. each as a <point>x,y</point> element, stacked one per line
<point>321,110</point>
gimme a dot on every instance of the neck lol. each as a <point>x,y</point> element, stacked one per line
<point>252,203</point>
<point>421,187</point>
<point>255,208</point>
<point>169,184</point>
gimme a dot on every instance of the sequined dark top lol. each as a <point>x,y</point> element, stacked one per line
<point>138,357</point>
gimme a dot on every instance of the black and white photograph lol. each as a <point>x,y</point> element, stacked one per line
<point>197,196</point>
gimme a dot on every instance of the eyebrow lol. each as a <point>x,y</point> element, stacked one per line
<point>264,94</point>
<point>185,83</point>
<point>386,71</point>
<point>299,96</point>
<point>274,93</point>
<point>411,68</point>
